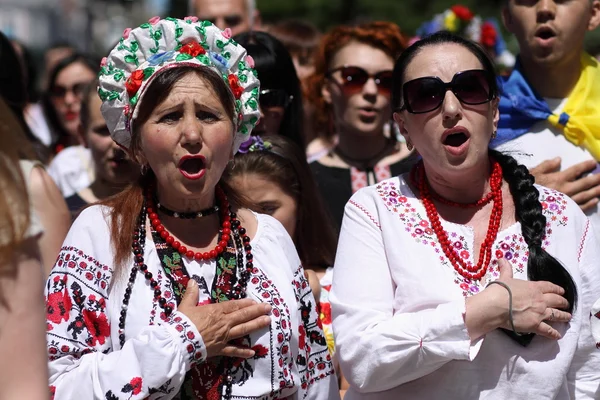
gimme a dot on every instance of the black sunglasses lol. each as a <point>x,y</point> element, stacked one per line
<point>426,94</point>
<point>59,92</point>
<point>354,78</point>
<point>274,98</point>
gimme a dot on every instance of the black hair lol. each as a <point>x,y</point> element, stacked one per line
<point>50,113</point>
<point>276,71</point>
<point>541,266</point>
<point>438,38</point>
<point>14,93</point>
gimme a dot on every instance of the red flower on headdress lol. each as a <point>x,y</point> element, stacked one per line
<point>462,12</point>
<point>134,82</point>
<point>488,34</point>
<point>234,84</point>
<point>192,48</point>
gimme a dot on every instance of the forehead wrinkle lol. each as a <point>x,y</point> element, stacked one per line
<point>443,61</point>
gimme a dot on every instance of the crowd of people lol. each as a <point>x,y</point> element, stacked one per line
<point>223,208</point>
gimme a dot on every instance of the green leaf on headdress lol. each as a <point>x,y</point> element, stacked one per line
<point>103,71</point>
<point>227,55</point>
<point>108,94</point>
<point>203,58</point>
<point>103,94</point>
<point>178,32</point>
<point>133,100</point>
<point>183,57</point>
<point>118,76</point>
<point>171,19</point>
<point>253,120</point>
<point>157,35</point>
<point>131,58</point>
<point>244,129</point>
<point>255,73</point>
<point>148,72</point>
<point>243,78</point>
<point>206,23</point>
<point>121,46</point>
<point>253,104</point>
<point>201,30</point>
<point>242,65</point>
<point>134,46</point>
<point>220,44</point>
<point>238,103</point>
<point>154,50</point>
<point>254,92</point>
<point>145,25</point>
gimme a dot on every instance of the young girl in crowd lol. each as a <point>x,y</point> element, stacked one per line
<point>281,96</point>
<point>350,91</point>
<point>273,176</point>
<point>72,168</point>
<point>113,169</point>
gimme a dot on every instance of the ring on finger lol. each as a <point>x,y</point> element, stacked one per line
<point>551,315</point>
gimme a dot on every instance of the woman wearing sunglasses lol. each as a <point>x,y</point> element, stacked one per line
<point>72,167</point>
<point>462,279</point>
<point>281,97</point>
<point>350,91</point>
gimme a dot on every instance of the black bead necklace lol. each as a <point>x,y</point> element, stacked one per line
<point>238,290</point>
<point>185,215</point>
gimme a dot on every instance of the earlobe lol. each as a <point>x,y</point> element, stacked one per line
<point>495,104</point>
<point>400,122</point>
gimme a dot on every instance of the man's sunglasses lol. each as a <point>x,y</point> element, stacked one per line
<point>354,79</point>
<point>426,94</point>
<point>270,98</point>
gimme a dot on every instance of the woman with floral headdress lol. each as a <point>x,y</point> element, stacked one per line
<point>169,290</point>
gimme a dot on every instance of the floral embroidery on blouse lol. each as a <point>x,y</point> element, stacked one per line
<point>512,247</point>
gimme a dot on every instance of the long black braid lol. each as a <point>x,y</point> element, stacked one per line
<point>541,266</point>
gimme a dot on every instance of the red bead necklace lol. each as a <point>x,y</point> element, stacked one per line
<point>181,249</point>
<point>464,268</point>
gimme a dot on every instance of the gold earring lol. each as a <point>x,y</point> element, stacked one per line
<point>494,134</point>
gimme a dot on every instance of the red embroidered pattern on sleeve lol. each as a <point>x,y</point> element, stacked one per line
<point>188,336</point>
<point>366,212</point>
<point>313,360</point>
<point>76,305</point>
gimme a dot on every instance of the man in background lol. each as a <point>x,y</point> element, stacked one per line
<point>238,15</point>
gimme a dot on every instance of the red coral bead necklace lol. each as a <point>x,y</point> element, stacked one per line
<point>183,250</point>
<point>465,268</point>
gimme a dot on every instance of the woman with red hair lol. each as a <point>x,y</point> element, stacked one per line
<point>350,90</point>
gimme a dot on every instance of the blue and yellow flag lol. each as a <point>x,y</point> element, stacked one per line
<point>521,108</point>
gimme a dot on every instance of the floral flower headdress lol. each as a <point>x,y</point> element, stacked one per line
<point>254,143</point>
<point>159,44</point>
<point>461,21</point>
